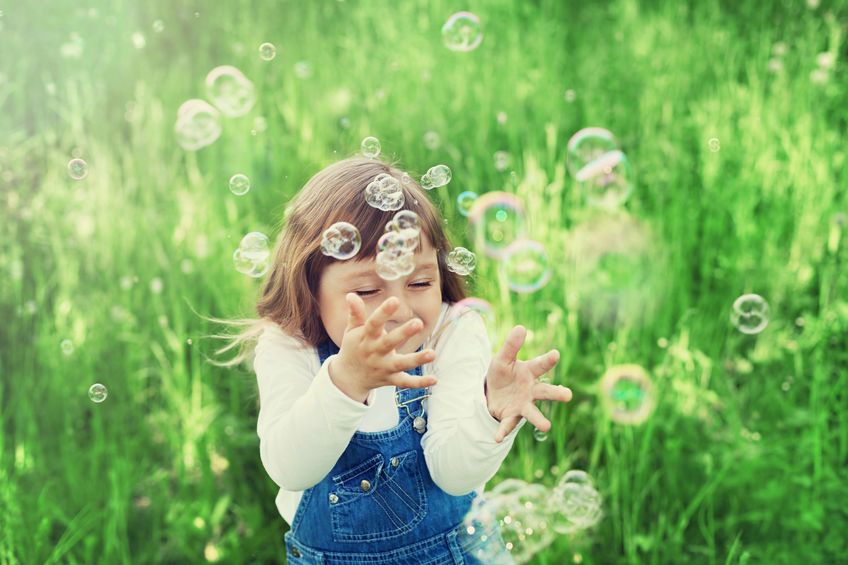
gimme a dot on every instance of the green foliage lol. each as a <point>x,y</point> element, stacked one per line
<point>744,458</point>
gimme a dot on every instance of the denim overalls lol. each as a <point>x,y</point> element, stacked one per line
<point>378,504</point>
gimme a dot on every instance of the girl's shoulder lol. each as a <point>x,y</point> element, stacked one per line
<point>273,336</point>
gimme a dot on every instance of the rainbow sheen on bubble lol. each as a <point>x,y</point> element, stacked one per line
<point>385,193</point>
<point>252,257</point>
<point>587,145</point>
<point>461,261</point>
<point>267,51</point>
<point>239,184</point>
<point>462,32</point>
<point>627,394</point>
<point>77,169</point>
<point>465,201</point>
<point>341,241</point>
<point>370,147</point>
<point>525,266</point>
<point>198,124</point>
<point>497,219</point>
<point>750,313</point>
<point>230,91</point>
<point>606,181</point>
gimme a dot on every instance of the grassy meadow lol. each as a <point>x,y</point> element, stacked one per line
<point>111,278</point>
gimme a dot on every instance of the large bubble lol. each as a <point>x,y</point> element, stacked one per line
<point>525,266</point>
<point>462,32</point>
<point>587,145</point>
<point>385,192</point>
<point>627,394</point>
<point>230,91</point>
<point>497,219</point>
<point>606,181</point>
<point>197,124</point>
<point>341,241</point>
<point>253,255</point>
<point>750,313</point>
<point>461,261</point>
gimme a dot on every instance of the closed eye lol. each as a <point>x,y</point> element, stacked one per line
<point>366,292</point>
<point>421,284</point>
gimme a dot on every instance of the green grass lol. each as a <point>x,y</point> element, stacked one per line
<point>744,458</point>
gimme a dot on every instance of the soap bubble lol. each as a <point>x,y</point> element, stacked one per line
<point>750,313</point>
<point>540,435</point>
<point>158,26</point>
<point>267,51</point>
<point>395,257</point>
<point>465,201</point>
<point>714,144</point>
<point>341,241</point>
<point>370,147</point>
<point>67,346</point>
<point>77,169</point>
<point>502,160</point>
<point>575,504</point>
<point>627,394</point>
<point>97,393</point>
<point>427,182</point>
<point>239,184</point>
<point>197,124</point>
<point>252,258</point>
<point>497,219</point>
<point>432,140</point>
<point>525,266</point>
<point>384,192</point>
<point>230,91</point>
<point>462,32</point>
<point>587,145</point>
<point>440,175</point>
<point>461,261</point>
<point>405,219</point>
<point>303,69</point>
<point>605,181</point>
<point>480,534</point>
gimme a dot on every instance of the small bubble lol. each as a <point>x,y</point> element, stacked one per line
<point>77,168</point>
<point>267,51</point>
<point>341,241</point>
<point>97,393</point>
<point>462,32</point>
<point>432,140</point>
<point>239,184</point>
<point>67,346</point>
<point>750,313</point>
<point>540,435</point>
<point>158,26</point>
<point>465,201</point>
<point>370,147</point>
<point>461,261</point>
<point>440,175</point>
<point>714,144</point>
<point>303,69</point>
<point>502,160</point>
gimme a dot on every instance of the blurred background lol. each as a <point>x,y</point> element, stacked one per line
<point>708,438</point>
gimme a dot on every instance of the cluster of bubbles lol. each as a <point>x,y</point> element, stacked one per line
<point>395,248</point>
<point>516,519</point>
<point>385,193</point>
<point>267,51</point>
<point>370,147</point>
<point>77,169</point>
<point>341,241</point>
<point>97,393</point>
<point>253,255</point>
<point>239,184</point>
<point>461,261</point>
<point>627,394</point>
<point>462,32</point>
<point>438,175</point>
<point>597,163</point>
<point>198,122</point>
<point>750,313</point>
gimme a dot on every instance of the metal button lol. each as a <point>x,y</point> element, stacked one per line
<point>365,485</point>
<point>333,498</point>
<point>295,552</point>
<point>395,461</point>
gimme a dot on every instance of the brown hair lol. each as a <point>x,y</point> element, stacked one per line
<point>336,194</point>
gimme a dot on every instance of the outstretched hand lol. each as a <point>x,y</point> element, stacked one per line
<point>512,387</point>
<point>367,356</point>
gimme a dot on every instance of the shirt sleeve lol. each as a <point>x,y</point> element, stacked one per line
<point>305,422</point>
<point>459,445</point>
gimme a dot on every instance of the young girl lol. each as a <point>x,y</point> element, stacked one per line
<point>380,415</point>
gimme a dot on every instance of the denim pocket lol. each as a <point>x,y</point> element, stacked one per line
<point>378,499</point>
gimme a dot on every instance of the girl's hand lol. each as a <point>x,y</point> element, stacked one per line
<point>367,358</point>
<point>512,386</point>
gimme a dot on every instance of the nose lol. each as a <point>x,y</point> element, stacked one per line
<point>403,313</point>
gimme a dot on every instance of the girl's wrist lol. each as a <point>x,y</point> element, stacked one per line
<point>340,375</point>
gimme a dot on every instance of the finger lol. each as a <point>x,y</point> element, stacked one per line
<point>507,425</point>
<point>409,361</point>
<point>376,322</point>
<point>512,344</point>
<point>543,363</point>
<point>556,393</point>
<point>405,380</point>
<point>400,334</point>
<point>355,309</point>
<point>535,417</point>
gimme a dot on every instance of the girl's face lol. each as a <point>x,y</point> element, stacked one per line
<point>419,293</point>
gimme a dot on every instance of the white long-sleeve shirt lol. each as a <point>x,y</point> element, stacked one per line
<point>305,421</point>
